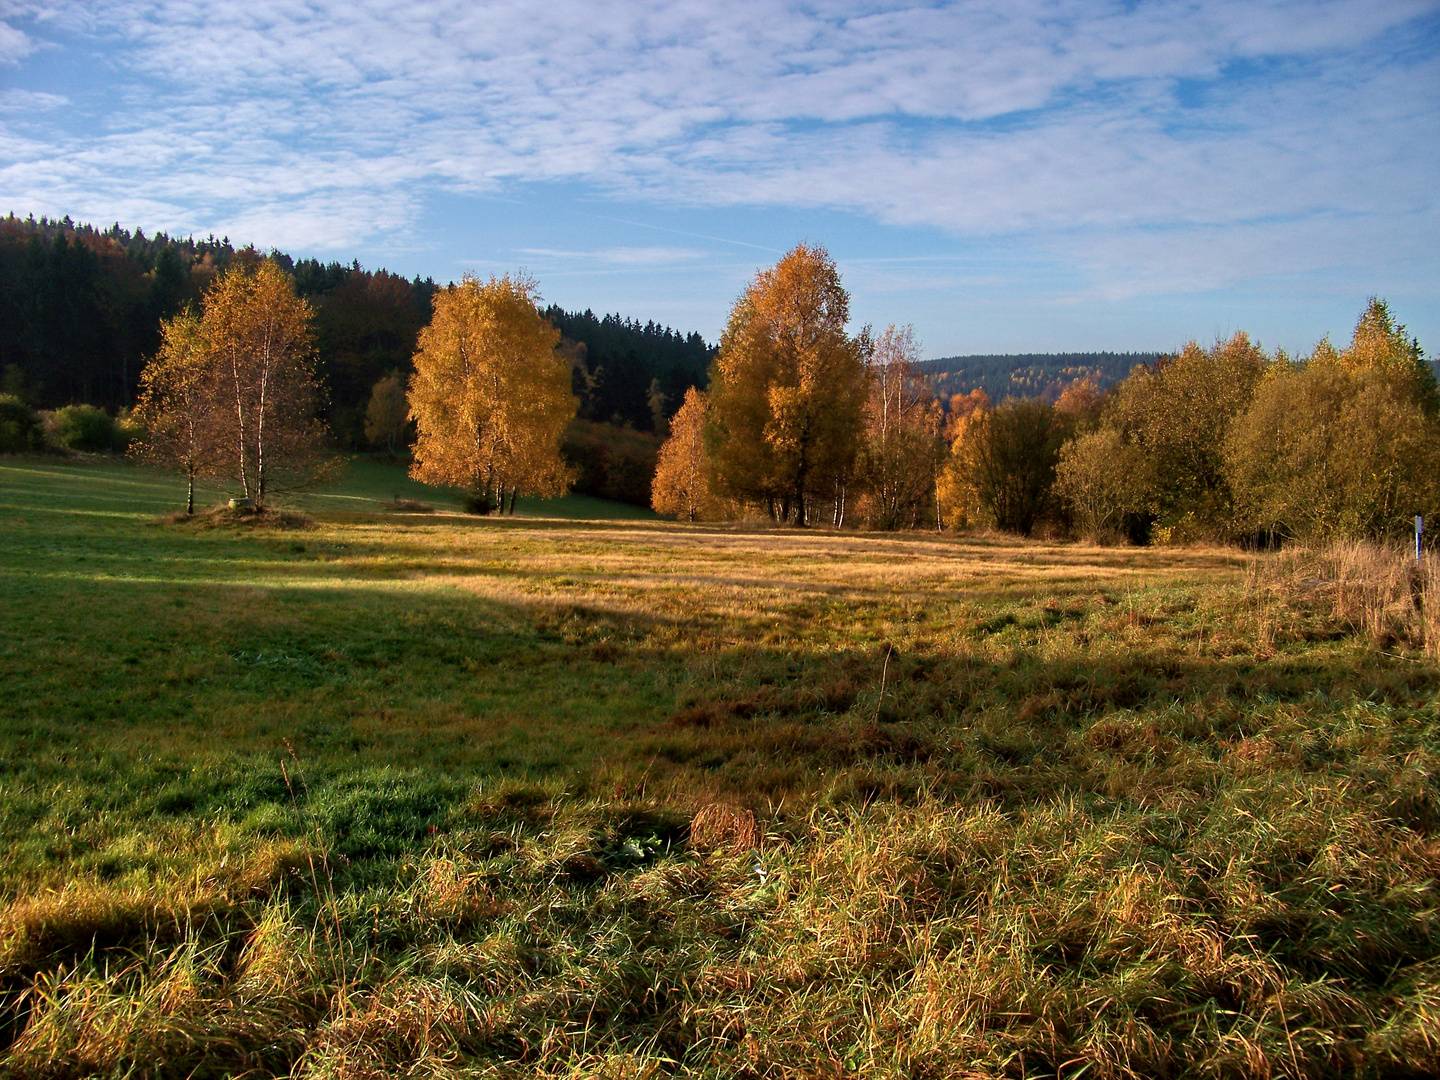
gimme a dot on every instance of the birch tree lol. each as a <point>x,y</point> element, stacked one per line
<point>231,392</point>
<point>177,404</point>
<point>257,339</point>
<point>902,447</point>
<point>491,396</point>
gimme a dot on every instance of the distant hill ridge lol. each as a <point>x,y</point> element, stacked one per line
<point>1029,375</point>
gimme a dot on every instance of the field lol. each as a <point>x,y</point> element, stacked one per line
<point>381,793</point>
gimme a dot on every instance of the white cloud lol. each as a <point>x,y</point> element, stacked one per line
<point>30,101</point>
<point>14,44</point>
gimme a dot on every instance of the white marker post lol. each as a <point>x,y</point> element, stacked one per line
<point>1419,528</point>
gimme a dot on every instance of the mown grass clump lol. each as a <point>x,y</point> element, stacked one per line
<point>446,796</point>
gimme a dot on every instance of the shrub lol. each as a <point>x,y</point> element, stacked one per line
<point>85,427</point>
<point>478,502</point>
<point>130,428</point>
<point>610,462</point>
<point>19,426</point>
<point>1103,481</point>
<point>1326,452</point>
<point>1007,461</point>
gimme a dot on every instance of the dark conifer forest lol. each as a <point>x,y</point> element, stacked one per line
<point>81,307</point>
<point>627,373</point>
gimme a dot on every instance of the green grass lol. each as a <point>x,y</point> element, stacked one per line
<point>368,484</point>
<point>426,793</point>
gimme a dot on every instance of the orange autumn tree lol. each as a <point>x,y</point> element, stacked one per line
<point>786,390</point>
<point>681,487</point>
<point>955,502</point>
<point>490,396</point>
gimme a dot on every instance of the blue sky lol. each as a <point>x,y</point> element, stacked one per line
<point>1031,175</point>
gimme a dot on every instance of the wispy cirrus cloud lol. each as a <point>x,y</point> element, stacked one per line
<point>29,101</point>
<point>14,44</point>
<point>616,256</point>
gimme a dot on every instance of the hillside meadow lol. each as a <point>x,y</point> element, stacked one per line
<point>362,791</point>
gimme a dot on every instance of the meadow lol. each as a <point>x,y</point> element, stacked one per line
<point>369,792</point>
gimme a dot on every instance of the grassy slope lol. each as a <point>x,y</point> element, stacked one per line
<point>417,791</point>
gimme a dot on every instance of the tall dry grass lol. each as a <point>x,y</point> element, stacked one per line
<point>1376,589</point>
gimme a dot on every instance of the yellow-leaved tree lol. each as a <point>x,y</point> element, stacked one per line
<point>955,501</point>
<point>490,396</point>
<point>787,389</point>
<point>681,487</point>
<point>232,392</point>
<point>257,340</point>
<point>1345,444</point>
<point>1380,344</point>
<point>177,404</point>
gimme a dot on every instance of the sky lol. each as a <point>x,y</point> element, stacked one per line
<point>1005,175</point>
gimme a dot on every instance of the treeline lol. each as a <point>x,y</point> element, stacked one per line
<point>803,422</point>
<point>1236,444</point>
<point>1043,375</point>
<point>81,310</point>
<point>791,418</point>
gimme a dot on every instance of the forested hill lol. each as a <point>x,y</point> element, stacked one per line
<point>80,312</point>
<point>628,373</point>
<point>1029,375</point>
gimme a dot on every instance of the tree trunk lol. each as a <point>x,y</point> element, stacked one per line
<point>240,425</point>
<point>189,491</point>
<point>802,473</point>
<point>260,433</point>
